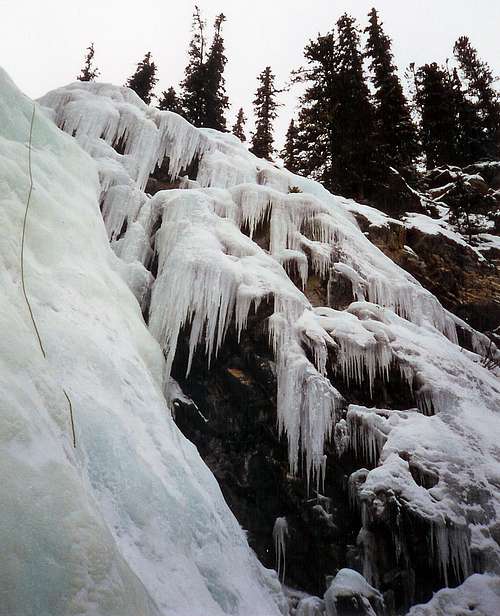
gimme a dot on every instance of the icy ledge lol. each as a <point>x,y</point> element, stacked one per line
<point>131,521</point>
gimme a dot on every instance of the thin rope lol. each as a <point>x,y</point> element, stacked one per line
<point>24,235</point>
<point>22,271</point>
<point>71,417</point>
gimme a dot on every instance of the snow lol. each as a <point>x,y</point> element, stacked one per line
<point>438,226</point>
<point>486,242</point>
<point>212,275</point>
<point>350,583</point>
<point>130,521</point>
<point>479,595</point>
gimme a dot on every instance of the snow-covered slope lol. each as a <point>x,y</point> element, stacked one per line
<point>130,521</point>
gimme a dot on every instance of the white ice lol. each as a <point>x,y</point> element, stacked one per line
<point>131,521</point>
<point>212,274</point>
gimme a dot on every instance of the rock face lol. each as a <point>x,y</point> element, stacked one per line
<point>240,444</point>
<point>465,281</point>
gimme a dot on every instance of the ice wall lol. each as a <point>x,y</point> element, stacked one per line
<point>130,521</point>
<point>211,274</point>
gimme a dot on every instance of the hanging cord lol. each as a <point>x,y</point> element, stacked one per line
<point>24,235</point>
<point>22,270</point>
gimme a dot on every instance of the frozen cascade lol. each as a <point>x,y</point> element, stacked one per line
<point>280,535</point>
<point>131,521</point>
<point>104,115</point>
<point>220,275</point>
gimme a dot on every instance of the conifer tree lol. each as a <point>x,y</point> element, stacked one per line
<point>265,106</point>
<point>440,131</point>
<point>144,79</point>
<point>239,126</point>
<point>396,134</point>
<point>217,102</point>
<point>315,130</point>
<point>204,99</point>
<point>480,88</point>
<point>193,86</point>
<point>290,153</point>
<point>472,141</point>
<point>336,120</point>
<point>353,163</point>
<point>89,71</point>
<point>169,101</point>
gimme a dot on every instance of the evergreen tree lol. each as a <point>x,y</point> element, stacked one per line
<point>290,153</point>
<point>204,100</point>
<point>89,71</point>
<point>144,79</point>
<point>396,134</point>
<point>436,99</point>
<point>239,126</point>
<point>353,163</point>
<point>480,88</point>
<point>217,102</point>
<point>193,86</point>
<point>471,144</point>
<point>169,101</point>
<point>265,107</point>
<point>336,120</point>
<point>315,130</point>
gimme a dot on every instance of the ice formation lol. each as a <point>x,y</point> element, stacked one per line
<point>131,521</point>
<point>280,536</point>
<point>310,606</point>
<point>351,585</point>
<point>230,237</point>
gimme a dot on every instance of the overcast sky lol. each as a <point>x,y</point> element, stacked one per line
<point>42,43</point>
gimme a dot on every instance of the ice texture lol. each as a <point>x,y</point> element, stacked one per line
<point>231,238</point>
<point>130,521</point>
<point>280,536</point>
<point>351,584</point>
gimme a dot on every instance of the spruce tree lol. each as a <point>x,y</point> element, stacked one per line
<point>217,102</point>
<point>480,88</point>
<point>472,141</point>
<point>396,134</point>
<point>439,128</point>
<point>315,130</point>
<point>239,126</point>
<point>169,101</point>
<point>353,163</point>
<point>144,79</point>
<point>193,86</point>
<point>265,106</point>
<point>204,99</point>
<point>290,153</point>
<point>89,71</point>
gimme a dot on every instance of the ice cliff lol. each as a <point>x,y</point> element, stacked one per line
<point>130,521</point>
<point>140,518</point>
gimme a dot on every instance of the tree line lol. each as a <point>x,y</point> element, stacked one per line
<point>355,123</point>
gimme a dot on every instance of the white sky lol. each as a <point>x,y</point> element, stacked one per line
<point>42,42</point>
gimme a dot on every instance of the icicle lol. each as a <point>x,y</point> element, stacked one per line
<point>367,432</point>
<point>280,535</point>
